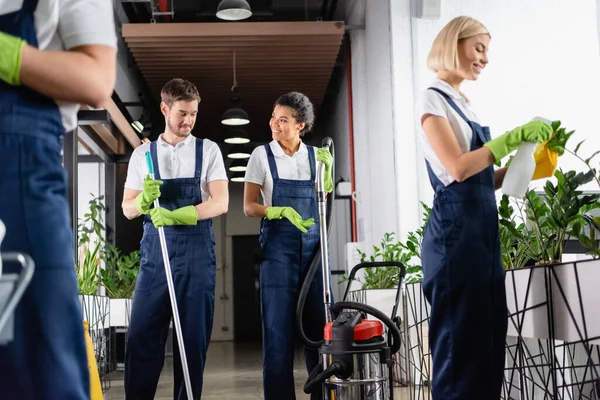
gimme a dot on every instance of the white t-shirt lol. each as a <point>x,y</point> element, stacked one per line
<point>433,103</point>
<point>178,161</point>
<point>295,167</point>
<point>65,24</point>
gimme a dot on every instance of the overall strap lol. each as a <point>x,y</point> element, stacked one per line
<point>313,164</point>
<point>199,155</point>
<point>272,163</point>
<point>452,104</point>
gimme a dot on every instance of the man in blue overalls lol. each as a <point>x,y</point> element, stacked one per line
<point>45,72</point>
<point>191,185</point>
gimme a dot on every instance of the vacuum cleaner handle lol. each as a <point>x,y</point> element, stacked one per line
<point>375,264</point>
<point>379,264</point>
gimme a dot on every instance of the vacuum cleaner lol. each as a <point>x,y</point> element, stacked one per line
<point>356,354</point>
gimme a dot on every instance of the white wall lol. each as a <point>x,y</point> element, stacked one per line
<point>544,60</point>
<point>90,183</point>
<point>337,126</point>
<point>373,121</point>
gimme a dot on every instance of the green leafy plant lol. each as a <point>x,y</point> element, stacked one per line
<point>120,272</point>
<point>536,232</point>
<point>554,220</point>
<point>90,242</point>
<point>100,264</point>
<point>559,139</point>
<point>390,249</point>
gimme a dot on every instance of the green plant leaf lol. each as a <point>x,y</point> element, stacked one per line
<point>578,146</point>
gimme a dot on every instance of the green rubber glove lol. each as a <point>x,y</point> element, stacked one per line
<point>182,216</point>
<point>150,192</point>
<point>325,157</point>
<point>10,58</point>
<point>291,215</point>
<point>534,131</point>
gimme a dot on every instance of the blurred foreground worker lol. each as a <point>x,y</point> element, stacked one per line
<point>54,55</point>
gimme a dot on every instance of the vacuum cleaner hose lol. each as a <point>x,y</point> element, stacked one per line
<point>395,332</point>
<point>317,376</point>
<point>315,262</point>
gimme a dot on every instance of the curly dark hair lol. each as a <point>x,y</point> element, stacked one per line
<point>302,108</point>
<point>178,89</point>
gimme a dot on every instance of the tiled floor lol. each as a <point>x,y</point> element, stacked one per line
<point>232,372</point>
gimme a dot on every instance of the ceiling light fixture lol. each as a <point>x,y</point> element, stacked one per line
<point>239,152</point>
<point>237,177</point>
<point>233,10</point>
<point>235,116</point>
<point>237,135</point>
<point>238,166</point>
<point>142,124</point>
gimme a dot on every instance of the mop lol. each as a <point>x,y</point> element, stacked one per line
<point>175,310</point>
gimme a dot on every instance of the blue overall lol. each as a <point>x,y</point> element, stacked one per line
<point>285,253</point>
<point>47,359</point>
<point>463,280</point>
<point>193,265</point>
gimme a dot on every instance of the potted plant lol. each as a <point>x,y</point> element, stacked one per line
<point>548,298</point>
<point>90,243</point>
<point>95,307</point>
<point>118,277</point>
<point>379,285</point>
<point>535,233</point>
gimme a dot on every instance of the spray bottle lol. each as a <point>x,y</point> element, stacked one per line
<point>521,169</point>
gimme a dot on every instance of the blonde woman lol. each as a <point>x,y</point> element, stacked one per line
<point>462,266</point>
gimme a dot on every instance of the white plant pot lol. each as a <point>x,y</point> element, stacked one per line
<point>576,301</point>
<point>120,312</point>
<point>527,302</point>
<point>95,310</point>
<point>381,299</point>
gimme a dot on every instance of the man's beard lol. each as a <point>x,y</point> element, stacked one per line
<point>176,132</point>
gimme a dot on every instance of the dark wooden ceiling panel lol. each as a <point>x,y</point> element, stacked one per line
<point>272,58</point>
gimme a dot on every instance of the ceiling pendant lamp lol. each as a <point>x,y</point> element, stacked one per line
<point>235,116</point>
<point>237,177</point>
<point>233,10</point>
<point>239,152</point>
<point>237,135</point>
<point>238,166</point>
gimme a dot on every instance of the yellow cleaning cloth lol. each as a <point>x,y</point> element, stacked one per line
<point>545,161</point>
<point>95,388</point>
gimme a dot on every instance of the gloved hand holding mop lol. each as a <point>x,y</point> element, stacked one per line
<point>150,192</point>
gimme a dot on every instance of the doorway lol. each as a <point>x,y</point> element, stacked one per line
<point>246,278</point>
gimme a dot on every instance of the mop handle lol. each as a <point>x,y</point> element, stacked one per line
<point>171,286</point>
<point>322,202</point>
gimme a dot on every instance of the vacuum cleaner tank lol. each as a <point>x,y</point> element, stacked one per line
<point>360,346</point>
